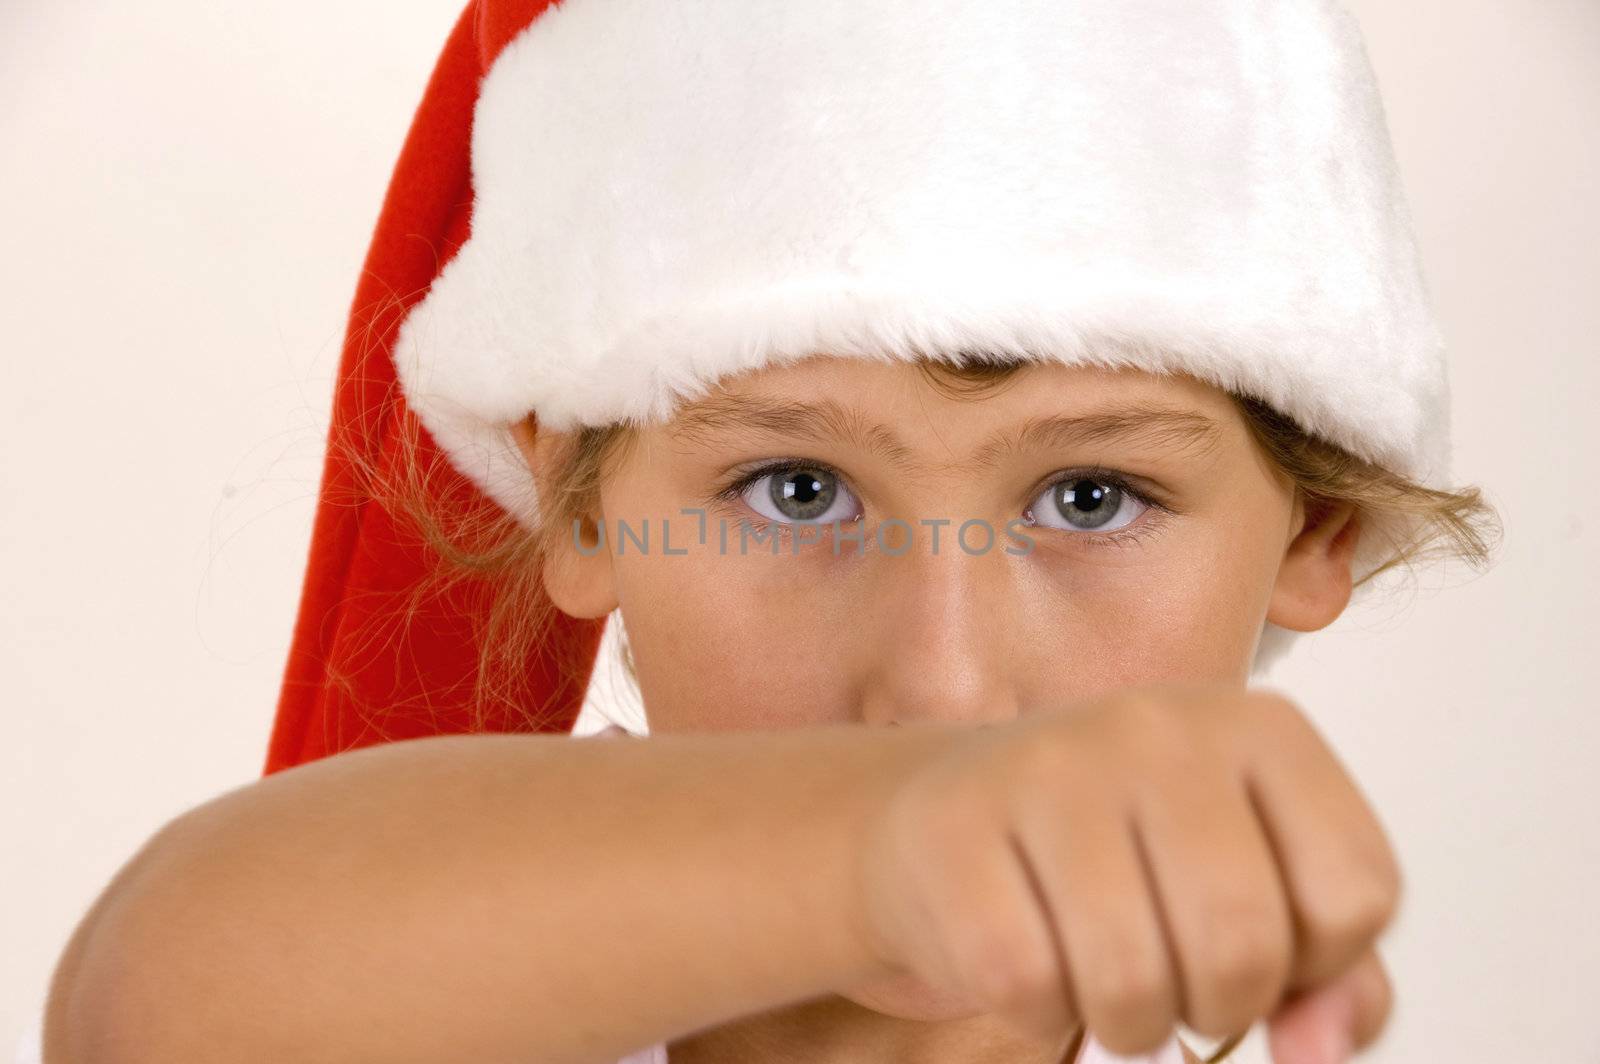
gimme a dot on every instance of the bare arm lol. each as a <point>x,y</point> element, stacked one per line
<point>487,898</point>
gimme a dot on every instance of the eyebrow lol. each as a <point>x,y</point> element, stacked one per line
<point>1160,427</point>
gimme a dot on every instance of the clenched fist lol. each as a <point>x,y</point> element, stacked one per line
<point>1172,853</point>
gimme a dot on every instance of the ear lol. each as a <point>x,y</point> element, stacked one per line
<point>578,575</point>
<point>1314,583</point>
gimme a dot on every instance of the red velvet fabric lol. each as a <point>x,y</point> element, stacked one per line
<point>359,671</point>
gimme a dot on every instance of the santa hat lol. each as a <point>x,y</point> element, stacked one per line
<point>606,206</point>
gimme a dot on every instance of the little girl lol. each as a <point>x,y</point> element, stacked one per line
<point>953,405</point>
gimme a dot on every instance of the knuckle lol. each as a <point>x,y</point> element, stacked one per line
<point>1352,913</point>
<point>1130,992</point>
<point>1243,955</point>
<point>1241,966</point>
<point>1377,905</point>
<point>1275,713</point>
<point>1389,880</point>
<point>1270,700</point>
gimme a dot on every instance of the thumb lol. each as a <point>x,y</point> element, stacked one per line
<point>1324,1025</point>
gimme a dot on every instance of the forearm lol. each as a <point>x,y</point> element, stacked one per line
<point>489,898</point>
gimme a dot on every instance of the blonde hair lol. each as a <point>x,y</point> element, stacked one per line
<point>484,551</point>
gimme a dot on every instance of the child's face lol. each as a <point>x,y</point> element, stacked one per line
<point>1115,590</point>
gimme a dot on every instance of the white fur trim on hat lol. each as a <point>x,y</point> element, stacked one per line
<point>670,191</point>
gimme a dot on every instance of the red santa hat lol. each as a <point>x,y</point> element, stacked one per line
<point>603,208</point>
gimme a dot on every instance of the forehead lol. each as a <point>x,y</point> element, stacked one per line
<point>892,399</point>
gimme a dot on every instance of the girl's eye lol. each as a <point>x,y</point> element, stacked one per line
<point>800,495</point>
<point>1079,504</point>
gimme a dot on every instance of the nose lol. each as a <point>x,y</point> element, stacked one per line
<point>938,645</point>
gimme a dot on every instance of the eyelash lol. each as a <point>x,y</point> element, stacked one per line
<point>1144,525</point>
<point>730,494</point>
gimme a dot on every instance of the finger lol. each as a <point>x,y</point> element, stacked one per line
<point>1218,883</point>
<point>1118,963</point>
<point>1342,877</point>
<point>1312,1028</point>
<point>1001,944</point>
<point>1373,996</point>
<point>1347,1013</point>
<point>1047,1004</point>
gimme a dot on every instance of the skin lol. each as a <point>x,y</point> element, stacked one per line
<point>730,641</point>
<point>941,807</point>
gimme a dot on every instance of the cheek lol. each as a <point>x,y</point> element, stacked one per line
<point>1188,610</point>
<point>729,643</point>
<point>726,643</point>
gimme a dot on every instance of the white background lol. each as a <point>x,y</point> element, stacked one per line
<point>186,193</point>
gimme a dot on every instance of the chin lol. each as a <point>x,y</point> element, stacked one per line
<point>908,998</point>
